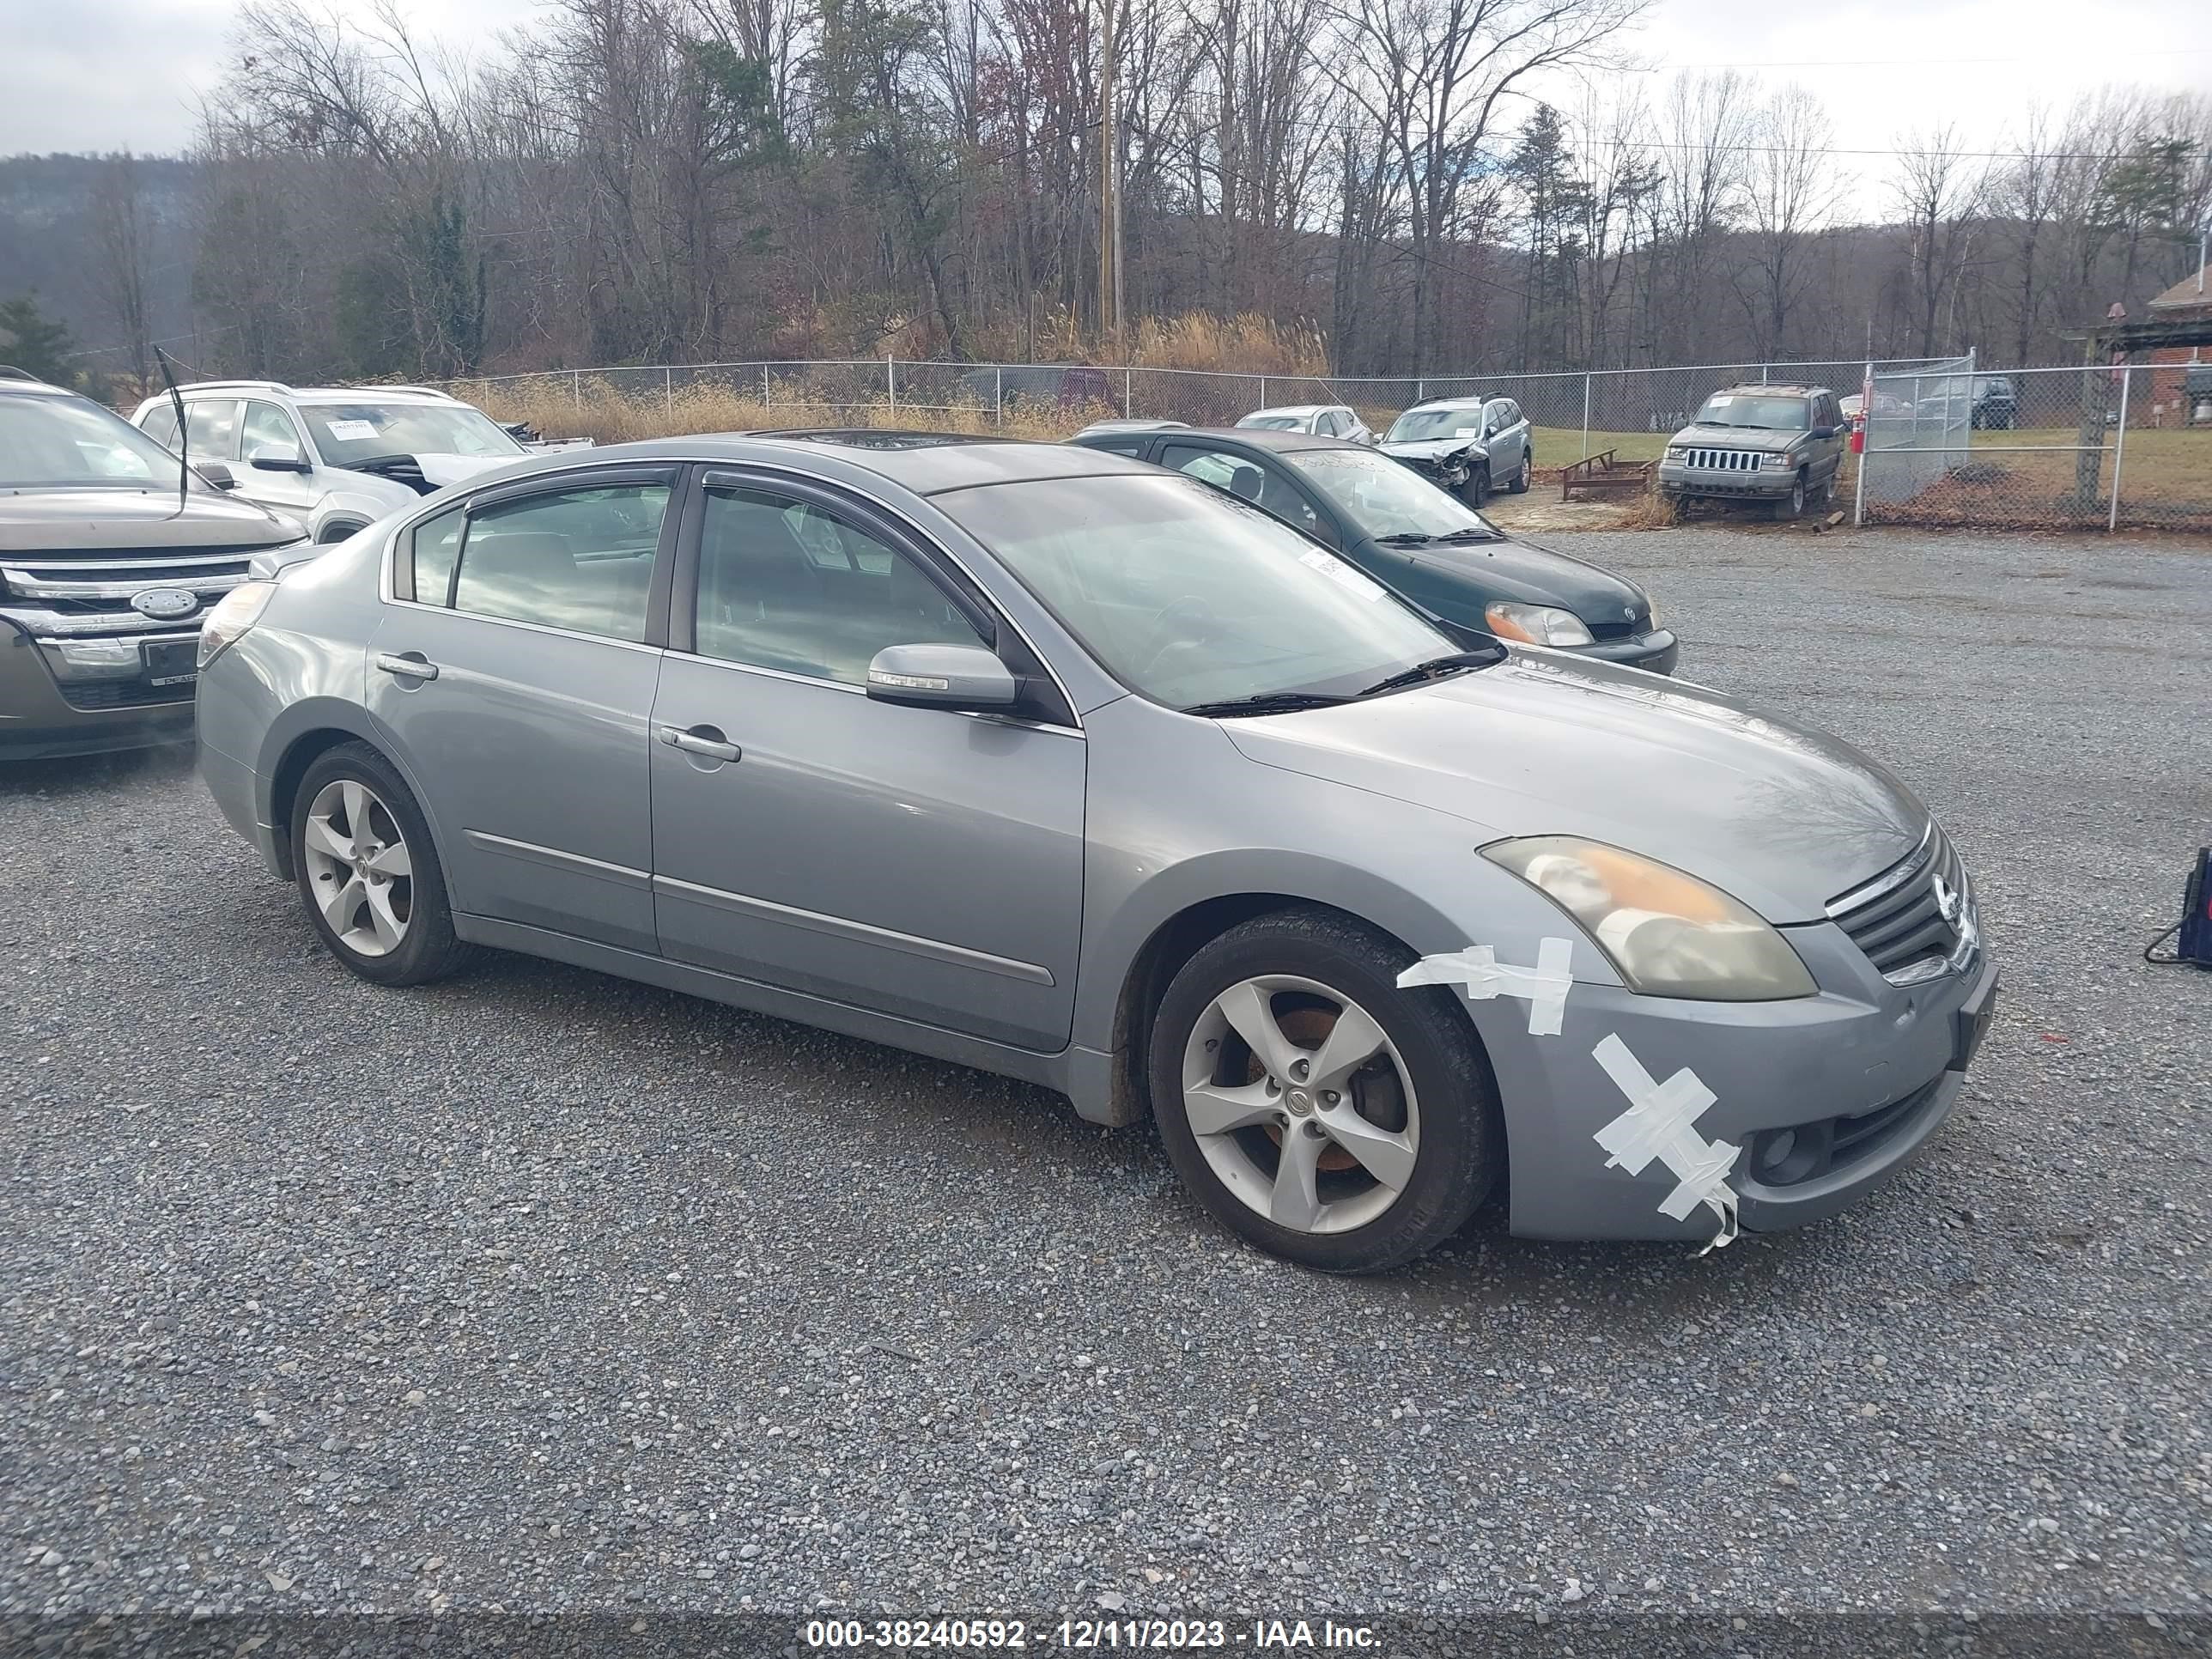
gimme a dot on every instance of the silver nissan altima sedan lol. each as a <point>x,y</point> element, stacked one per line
<point>1039,759</point>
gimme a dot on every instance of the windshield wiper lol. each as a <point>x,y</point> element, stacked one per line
<point>1267,702</point>
<point>1406,539</point>
<point>1474,533</point>
<point>1436,668</point>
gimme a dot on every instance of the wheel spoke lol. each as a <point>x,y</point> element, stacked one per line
<point>392,860</point>
<point>321,838</point>
<point>1355,1040</point>
<point>1246,1008</point>
<point>356,800</point>
<point>1386,1156</point>
<point>340,900</point>
<point>1295,1203</point>
<point>383,922</point>
<point>1213,1110</point>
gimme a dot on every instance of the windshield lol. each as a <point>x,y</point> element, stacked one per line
<point>1188,596</point>
<point>1274,423</point>
<point>1749,409</point>
<point>1418,425</point>
<point>1386,498</point>
<point>346,433</point>
<point>72,443</point>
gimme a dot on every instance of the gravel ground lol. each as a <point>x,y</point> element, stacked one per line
<point>538,1290</point>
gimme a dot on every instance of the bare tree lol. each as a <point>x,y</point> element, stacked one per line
<point>122,246</point>
<point>1791,186</point>
<point>1938,192</point>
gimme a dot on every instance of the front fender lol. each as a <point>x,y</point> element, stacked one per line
<point>358,502</point>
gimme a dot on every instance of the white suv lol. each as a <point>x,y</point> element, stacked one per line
<point>337,458</point>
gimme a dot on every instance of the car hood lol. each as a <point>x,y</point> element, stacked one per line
<point>1736,437</point>
<point>52,521</point>
<point>1783,818</point>
<point>1536,576</point>
<point>1428,449</point>
<point>437,470</point>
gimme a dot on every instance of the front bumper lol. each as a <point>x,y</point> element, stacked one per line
<point>1678,480</point>
<point>38,721</point>
<point>1656,651</point>
<point>1871,1073</point>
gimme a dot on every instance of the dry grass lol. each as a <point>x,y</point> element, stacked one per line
<point>594,408</point>
<point>1246,344</point>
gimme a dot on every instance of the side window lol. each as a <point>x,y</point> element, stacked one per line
<point>580,559</point>
<point>771,595</point>
<point>1229,473</point>
<point>160,425</point>
<point>1131,443</point>
<point>268,427</point>
<point>211,429</point>
<point>435,547</point>
<point>1512,413</point>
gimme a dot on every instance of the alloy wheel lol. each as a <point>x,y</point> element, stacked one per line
<point>360,872</point>
<point>1301,1104</point>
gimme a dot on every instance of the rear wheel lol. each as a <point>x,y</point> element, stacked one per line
<point>1520,484</point>
<point>367,873</point>
<point>1312,1105</point>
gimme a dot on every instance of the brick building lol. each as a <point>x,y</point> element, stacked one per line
<point>2189,301</point>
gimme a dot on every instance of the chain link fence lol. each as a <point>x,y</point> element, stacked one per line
<point>1946,443</point>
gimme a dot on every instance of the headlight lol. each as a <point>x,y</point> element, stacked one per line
<point>235,612</point>
<point>1670,934</point>
<point>1678,451</point>
<point>1779,462</point>
<point>1535,624</point>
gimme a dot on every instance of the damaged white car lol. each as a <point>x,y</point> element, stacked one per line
<point>334,457</point>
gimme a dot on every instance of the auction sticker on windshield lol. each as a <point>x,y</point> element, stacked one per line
<point>351,431</point>
<point>1342,574</point>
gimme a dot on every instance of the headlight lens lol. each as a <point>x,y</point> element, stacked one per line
<point>235,612</point>
<point>1535,624</point>
<point>1670,934</point>
<point>1778,461</point>
<point>1678,451</point>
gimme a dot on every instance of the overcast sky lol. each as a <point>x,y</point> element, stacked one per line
<point>100,75</point>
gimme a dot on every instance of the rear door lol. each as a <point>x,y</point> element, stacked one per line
<point>514,672</point>
<point>918,862</point>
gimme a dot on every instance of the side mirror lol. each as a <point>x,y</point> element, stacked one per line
<point>217,474</point>
<point>963,677</point>
<point>277,458</point>
<point>1822,432</point>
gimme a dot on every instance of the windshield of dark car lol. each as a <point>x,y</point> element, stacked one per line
<point>1189,596</point>
<point>1385,497</point>
<point>1750,409</point>
<point>347,433</point>
<point>1419,425</point>
<point>73,443</point>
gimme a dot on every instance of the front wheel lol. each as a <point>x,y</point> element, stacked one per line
<point>1476,490</point>
<point>1312,1105</point>
<point>367,873</point>
<point>1792,505</point>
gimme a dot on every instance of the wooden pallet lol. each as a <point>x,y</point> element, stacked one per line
<point>1605,474</point>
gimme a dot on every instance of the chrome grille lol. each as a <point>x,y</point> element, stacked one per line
<point>57,593</point>
<point>1725,460</point>
<point>1917,919</point>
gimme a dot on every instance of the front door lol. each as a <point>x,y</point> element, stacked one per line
<point>513,673</point>
<point>918,862</point>
<point>268,427</point>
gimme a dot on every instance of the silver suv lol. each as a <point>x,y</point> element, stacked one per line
<point>1470,446</point>
<point>336,457</point>
<point>1779,444</point>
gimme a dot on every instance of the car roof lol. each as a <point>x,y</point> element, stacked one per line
<point>1261,437</point>
<point>28,385</point>
<point>1773,388</point>
<point>1292,408</point>
<point>927,463</point>
<point>1473,400</point>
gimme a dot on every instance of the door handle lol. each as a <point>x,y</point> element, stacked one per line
<point>703,740</point>
<point>409,667</point>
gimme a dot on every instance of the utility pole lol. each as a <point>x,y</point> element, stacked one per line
<point>1109,205</point>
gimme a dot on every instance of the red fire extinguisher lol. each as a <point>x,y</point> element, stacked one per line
<point>1858,433</point>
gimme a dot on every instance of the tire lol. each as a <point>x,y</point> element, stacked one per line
<point>1792,505</point>
<point>1476,490</point>
<point>421,945</point>
<point>1424,1107</point>
<point>1826,496</point>
<point>1520,479</point>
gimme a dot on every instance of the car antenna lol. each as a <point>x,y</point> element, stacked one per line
<point>176,402</point>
